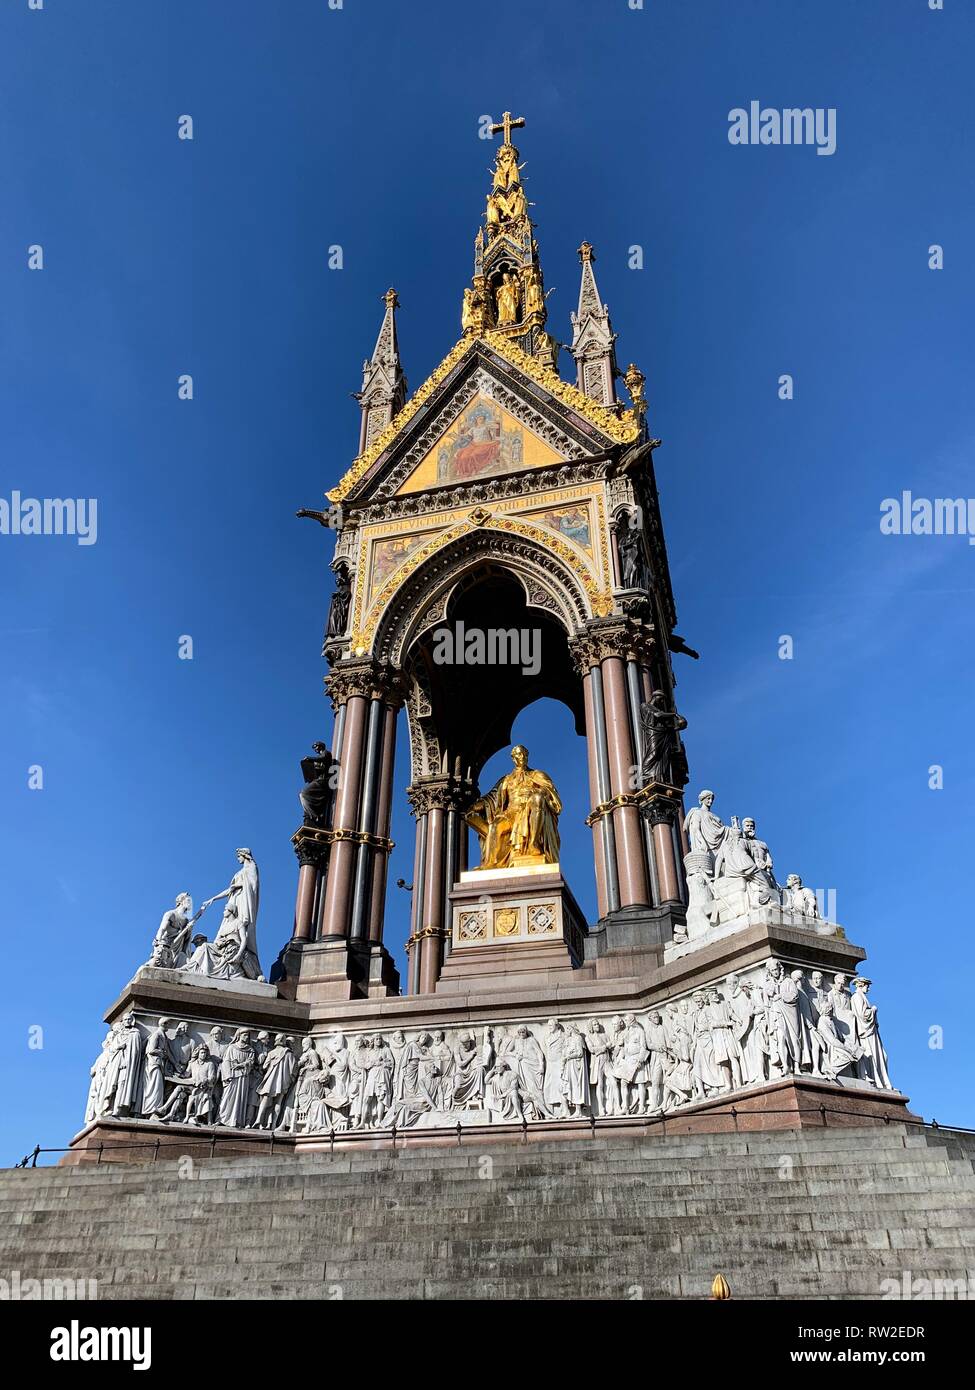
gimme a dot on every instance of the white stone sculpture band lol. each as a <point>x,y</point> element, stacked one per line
<point>748,1030</point>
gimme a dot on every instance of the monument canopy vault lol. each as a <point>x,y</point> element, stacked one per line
<point>498,539</point>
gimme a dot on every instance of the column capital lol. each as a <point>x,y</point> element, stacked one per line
<point>629,638</point>
<point>660,804</point>
<point>368,678</point>
<point>311,846</point>
<point>440,794</point>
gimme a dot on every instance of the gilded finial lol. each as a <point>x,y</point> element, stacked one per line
<point>719,1289</point>
<point>391,299</point>
<point>507,123</point>
<point>586,253</point>
<point>635,382</point>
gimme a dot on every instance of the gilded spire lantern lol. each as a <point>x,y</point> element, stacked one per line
<point>507,291</point>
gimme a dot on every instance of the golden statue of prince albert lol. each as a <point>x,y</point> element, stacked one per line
<point>518,820</point>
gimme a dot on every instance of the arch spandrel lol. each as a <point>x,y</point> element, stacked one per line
<point>553,577</point>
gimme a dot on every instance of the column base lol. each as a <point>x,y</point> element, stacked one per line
<point>337,969</point>
<point>631,940</point>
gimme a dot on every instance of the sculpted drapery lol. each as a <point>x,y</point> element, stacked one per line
<point>517,821</point>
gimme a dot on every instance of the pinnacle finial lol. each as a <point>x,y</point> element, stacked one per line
<point>586,252</point>
<point>507,124</point>
<point>391,299</point>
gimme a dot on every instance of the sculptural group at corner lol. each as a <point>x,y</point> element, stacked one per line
<point>232,954</point>
<point>730,871</point>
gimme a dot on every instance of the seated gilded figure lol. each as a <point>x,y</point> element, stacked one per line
<point>517,821</point>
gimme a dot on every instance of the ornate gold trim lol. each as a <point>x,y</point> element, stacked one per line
<point>330,837</point>
<point>622,429</point>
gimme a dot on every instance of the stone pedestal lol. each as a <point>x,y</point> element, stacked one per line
<point>336,969</point>
<point>512,927</point>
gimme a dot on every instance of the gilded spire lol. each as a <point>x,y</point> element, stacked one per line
<point>383,391</point>
<point>507,292</point>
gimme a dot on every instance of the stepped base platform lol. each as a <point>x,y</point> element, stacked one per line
<point>829,1213</point>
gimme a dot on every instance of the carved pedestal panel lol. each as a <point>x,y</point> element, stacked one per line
<point>512,926</point>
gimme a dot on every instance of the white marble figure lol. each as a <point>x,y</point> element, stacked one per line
<point>603,1084</point>
<point>170,944</point>
<point>161,1062</point>
<point>796,898</point>
<point>97,1073</point>
<point>868,1035</point>
<point>469,1073</point>
<point>233,953</point>
<point>503,1094</point>
<point>235,1071</point>
<point>658,1042</point>
<point>575,1078</point>
<point>523,1053</point>
<point>705,830</point>
<point>631,1066</point>
<point>277,1070</point>
<point>122,1094</point>
<point>840,1053</point>
<point>725,1052</point>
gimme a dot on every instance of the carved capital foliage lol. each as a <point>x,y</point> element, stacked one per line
<point>440,794</point>
<point>311,847</point>
<point>630,638</point>
<point>366,678</point>
<point>661,805</point>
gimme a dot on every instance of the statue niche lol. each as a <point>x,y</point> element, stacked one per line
<point>517,821</point>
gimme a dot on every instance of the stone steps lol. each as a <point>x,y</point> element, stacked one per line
<point>789,1214</point>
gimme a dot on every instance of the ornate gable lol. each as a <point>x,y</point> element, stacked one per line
<point>518,413</point>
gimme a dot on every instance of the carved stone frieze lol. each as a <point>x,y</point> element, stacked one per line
<point>723,1037</point>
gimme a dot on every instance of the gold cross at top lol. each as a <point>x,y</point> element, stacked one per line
<point>506,124</point>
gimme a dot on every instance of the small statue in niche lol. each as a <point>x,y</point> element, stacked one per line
<point>661,739</point>
<point>629,541</point>
<point>508,294</point>
<point>338,609</point>
<point>316,795</point>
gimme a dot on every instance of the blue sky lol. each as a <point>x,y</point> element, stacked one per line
<point>359,127</point>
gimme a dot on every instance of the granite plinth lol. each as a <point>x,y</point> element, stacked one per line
<point>258,989</point>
